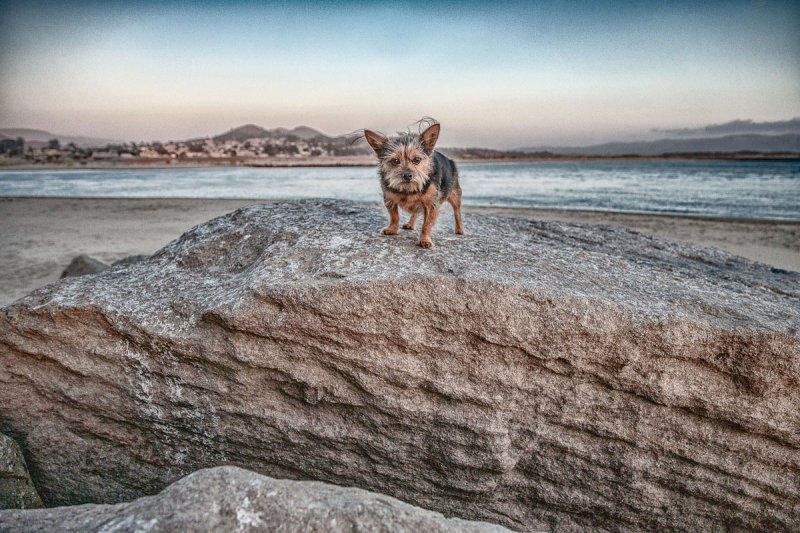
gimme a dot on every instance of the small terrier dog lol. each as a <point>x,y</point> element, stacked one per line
<point>417,179</point>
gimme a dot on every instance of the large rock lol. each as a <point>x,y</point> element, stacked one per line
<point>536,375</point>
<point>16,489</point>
<point>229,499</point>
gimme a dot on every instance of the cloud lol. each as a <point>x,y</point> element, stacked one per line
<point>735,127</point>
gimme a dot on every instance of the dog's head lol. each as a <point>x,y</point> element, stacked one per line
<point>406,161</point>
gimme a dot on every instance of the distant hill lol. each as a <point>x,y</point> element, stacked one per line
<point>305,133</point>
<point>726,144</point>
<point>251,131</point>
<point>34,137</point>
<point>242,133</point>
<point>736,127</point>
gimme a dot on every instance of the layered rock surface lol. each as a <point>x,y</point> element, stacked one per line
<point>229,499</point>
<point>535,375</point>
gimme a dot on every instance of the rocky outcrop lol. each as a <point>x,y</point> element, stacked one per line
<point>535,375</point>
<point>16,489</point>
<point>229,499</point>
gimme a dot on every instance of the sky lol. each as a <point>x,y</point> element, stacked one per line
<point>495,74</point>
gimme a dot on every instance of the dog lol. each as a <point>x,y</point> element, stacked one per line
<point>416,179</point>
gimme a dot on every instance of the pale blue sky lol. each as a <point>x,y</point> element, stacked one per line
<point>495,74</point>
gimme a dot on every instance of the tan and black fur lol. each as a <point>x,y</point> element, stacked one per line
<point>417,179</point>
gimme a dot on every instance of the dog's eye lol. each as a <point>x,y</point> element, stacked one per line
<point>417,160</point>
<point>395,161</point>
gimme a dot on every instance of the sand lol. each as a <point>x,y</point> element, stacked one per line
<point>40,236</point>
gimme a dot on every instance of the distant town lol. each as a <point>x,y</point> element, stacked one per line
<point>252,145</point>
<point>246,144</point>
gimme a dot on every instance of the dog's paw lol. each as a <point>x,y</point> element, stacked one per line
<point>425,243</point>
<point>408,226</point>
<point>388,230</point>
<point>459,231</point>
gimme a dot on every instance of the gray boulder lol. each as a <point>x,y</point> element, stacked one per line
<point>229,499</point>
<point>16,489</point>
<point>83,265</point>
<point>536,375</point>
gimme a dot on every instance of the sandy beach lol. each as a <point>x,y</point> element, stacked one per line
<point>40,236</point>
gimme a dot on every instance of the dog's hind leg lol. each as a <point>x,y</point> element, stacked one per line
<point>455,201</point>
<point>411,221</point>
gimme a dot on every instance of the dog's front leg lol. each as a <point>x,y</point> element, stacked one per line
<point>394,219</point>
<point>430,213</point>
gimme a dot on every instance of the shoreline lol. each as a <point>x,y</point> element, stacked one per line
<point>42,235</point>
<point>368,161</point>
<point>492,209</point>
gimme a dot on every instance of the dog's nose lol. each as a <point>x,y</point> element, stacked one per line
<point>406,175</point>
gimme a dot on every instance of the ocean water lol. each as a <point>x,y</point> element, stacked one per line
<point>736,189</point>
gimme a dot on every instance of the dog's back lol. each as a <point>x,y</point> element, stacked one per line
<point>445,174</point>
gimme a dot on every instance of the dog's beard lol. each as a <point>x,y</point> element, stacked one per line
<point>415,184</point>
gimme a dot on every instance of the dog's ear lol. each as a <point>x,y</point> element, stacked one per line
<point>429,137</point>
<point>376,141</point>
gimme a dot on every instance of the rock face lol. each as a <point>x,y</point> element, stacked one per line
<point>535,375</point>
<point>228,499</point>
<point>16,489</point>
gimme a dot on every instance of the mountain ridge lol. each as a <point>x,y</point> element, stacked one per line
<point>253,131</point>
<point>735,127</point>
<point>33,135</point>
<point>754,142</point>
<point>736,143</point>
